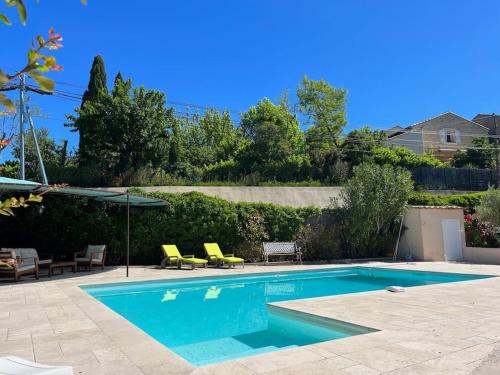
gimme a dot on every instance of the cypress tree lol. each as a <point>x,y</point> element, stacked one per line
<point>97,80</point>
<point>97,84</point>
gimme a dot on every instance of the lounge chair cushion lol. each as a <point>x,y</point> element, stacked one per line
<point>213,250</point>
<point>44,261</point>
<point>171,251</point>
<point>87,260</point>
<point>194,260</point>
<point>97,250</point>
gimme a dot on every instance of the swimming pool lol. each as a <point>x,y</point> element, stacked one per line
<point>213,319</point>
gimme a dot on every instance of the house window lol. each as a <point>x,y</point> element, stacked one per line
<point>450,136</point>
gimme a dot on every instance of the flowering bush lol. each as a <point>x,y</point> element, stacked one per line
<point>480,234</point>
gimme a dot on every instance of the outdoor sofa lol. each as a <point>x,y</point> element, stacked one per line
<point>19,262</point>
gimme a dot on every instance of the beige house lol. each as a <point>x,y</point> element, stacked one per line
<point>442,135</point>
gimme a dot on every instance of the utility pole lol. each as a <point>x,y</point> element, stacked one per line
<point>22,88</point>
<point>497,184</point>
<point>38,153</point>
<point>24,115</point>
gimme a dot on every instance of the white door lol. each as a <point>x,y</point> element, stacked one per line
<point>452,240</point>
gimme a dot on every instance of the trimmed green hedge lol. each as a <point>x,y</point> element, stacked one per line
<point>66,225</point>
<point>462,200</point>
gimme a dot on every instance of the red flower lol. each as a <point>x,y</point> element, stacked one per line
<point>468,218</point>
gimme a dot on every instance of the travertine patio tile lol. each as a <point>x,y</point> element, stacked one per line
<point>287,358</point>
<point>150,353</point>
<point>360,370</point>
<point>47,347</point>
<point>225,368</point>
<point>471,354</point>
<point>435,367</point>
<point>22,353</point>
<point>324,367</point>
<point>73,325</point>
<point>456,325</point>
<point>380,359</point>
<point>21,343</point>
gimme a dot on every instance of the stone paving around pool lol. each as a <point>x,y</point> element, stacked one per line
<point>449,328</point>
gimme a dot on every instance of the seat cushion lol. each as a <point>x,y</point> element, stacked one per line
<point>44,261</point>
<point>86,260</point>
<point>4,265</point>
<point>8,262</point>
<point>97,250</point>
<point>25,267</point>
<point>232,260</point>
<point>27,255</point>
<point>194,260</point>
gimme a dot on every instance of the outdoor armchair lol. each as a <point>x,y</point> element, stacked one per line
<point>214,253</point>
<point>93,255</point>
<point>13,265</point>
<point>172,255</point>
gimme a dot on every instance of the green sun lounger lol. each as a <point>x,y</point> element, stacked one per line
<point>173,256</point>
<point>215,254</point>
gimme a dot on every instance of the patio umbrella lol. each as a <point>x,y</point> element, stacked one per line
<point>113,197</point>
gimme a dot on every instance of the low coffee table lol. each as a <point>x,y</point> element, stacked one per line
<point>61,266</point>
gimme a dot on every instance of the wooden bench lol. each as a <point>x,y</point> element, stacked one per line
<point>281,249</point>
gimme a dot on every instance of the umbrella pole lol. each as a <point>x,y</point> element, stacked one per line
<point>128,231</point>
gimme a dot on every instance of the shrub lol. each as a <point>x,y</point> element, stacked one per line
<point>404,157</point>
<point>372,202</point>
<point>489,207</point>
<point>252,231</point>
<point>480,234</point>
<point>462,200</point>
<point>321,236</point>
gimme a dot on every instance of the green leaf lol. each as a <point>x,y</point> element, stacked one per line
<point>6,212</point>
<point>5,20</point>
<point>46,84</point>
<point>32,56</point>
<point>3,78</point>
<point>6,102</point>
<point>35,198</point>
<point>21,9</point>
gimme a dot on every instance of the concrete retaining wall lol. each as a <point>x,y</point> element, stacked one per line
<point>283,195</point>
<point>485,255</point>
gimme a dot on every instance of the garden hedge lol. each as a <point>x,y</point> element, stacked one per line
<point>64,225</point>
<point>462,200</point>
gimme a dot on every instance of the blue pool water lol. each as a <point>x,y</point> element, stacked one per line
<point>212,319</point>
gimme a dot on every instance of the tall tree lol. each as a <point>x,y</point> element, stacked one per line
<point>324,107</point>
<point>274,146</point>
<point>97,86</point>
<point>273,131</point>
<point>126,131</point>
<point>359,144</point>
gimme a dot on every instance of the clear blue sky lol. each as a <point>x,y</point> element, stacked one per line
<point>401,61</point>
